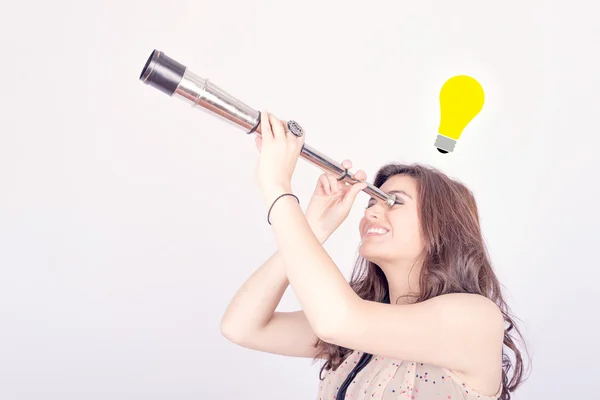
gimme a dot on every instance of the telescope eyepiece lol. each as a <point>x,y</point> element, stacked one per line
<point>162,72</point>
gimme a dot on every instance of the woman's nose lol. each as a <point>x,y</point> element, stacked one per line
<point>372,217</point>
<point>373,212</point>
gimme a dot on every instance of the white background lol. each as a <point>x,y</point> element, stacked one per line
<point>128,220</point>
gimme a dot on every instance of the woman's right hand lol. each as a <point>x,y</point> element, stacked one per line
<point>331,202</point>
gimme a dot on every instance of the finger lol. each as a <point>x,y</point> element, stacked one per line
<point>265,126</point>
<point>333,183</point>
<point>296,144</point>
<point>324,182</point>
<point>321,184</point>
<point>350,197</point>
<point>301,140</point>
<point>360,175</point>
<point>277,127</point>
<point>258,141</point>
<point>285,128</point>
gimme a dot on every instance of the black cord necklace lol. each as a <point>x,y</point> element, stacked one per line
<point>364,360</point>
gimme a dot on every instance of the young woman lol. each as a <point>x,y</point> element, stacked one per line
<point>423,315</point>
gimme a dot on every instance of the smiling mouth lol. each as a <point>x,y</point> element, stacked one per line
<point>376,232</point>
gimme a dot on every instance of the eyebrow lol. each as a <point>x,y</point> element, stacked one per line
<point>401,192</point>
<point>396,191</point>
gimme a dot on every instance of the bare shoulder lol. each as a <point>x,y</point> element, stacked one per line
<point>485,374</point>
<point>473,301</point>
<point>482,314</point>
<point>459,331</point>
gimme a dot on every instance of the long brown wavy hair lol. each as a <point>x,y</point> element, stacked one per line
<point>455,261</point>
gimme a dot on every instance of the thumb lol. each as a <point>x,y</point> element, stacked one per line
<point>353,192</point>
<point>258,141</point>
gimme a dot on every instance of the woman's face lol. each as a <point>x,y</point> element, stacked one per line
<point>400,239</point>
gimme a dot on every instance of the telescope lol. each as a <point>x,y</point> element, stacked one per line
<point>176,80</point>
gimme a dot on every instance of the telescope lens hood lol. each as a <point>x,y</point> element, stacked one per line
<point>162,72</point>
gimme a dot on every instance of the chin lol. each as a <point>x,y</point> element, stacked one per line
<point>378,252</point>
<point>369,251</point>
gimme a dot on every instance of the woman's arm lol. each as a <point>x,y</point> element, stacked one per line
<point>457,331</point>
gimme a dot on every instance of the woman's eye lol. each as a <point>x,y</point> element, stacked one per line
<point>397,202</point>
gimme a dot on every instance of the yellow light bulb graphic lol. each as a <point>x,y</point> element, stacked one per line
<point>461,99</point>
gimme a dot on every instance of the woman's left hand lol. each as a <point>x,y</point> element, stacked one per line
<point>279,152</point>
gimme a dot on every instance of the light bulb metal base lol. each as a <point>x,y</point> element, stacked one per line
<point>445,144</point>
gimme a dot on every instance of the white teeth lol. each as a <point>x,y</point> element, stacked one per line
<point>380,231</point>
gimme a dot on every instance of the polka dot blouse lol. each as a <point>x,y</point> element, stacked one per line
<point>389,379</point>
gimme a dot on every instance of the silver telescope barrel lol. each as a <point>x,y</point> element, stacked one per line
<point>176,80</point>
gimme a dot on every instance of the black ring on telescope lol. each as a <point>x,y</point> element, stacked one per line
<point>257,124</point>
<point>341,178</point>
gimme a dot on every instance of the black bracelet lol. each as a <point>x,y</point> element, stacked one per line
<point>285,194</point>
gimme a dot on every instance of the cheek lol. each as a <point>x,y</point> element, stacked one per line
<point>407,230</point>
